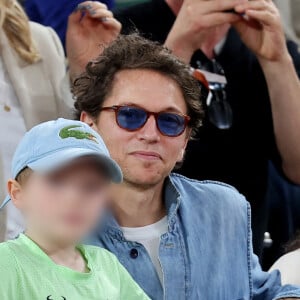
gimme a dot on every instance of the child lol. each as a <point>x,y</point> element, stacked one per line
<point>61,176</point>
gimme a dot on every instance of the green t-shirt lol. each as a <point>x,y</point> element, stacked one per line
<point>28,273</point>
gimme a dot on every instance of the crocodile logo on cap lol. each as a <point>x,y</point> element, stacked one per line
<point>71,132</point>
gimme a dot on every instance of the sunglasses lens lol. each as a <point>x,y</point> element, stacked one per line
<point>171,124</point>
<point>131,118</point>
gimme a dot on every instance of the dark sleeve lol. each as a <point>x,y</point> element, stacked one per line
<point>125,20</point>
<point>294,51</point>
<point>151,19</point>
<point>132,19</point>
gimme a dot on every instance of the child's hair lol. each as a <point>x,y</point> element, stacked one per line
<point>15,24</point>
<point>24,175</point>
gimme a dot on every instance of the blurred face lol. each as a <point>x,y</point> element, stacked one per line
<point>146,156</point>
<point>66,204</point>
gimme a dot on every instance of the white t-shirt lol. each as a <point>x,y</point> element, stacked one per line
<point>149,237</point>
<point>12,130</point>
<point>289,267</point>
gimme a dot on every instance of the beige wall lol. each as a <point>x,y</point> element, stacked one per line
<point>290,11</point>
<point>296,16</point>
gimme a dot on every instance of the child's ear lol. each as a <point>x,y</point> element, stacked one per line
<point>15,192</point>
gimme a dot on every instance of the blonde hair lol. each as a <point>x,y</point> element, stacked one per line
<point>15,24</point>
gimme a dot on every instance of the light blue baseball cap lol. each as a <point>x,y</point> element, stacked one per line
<point>51,145</point>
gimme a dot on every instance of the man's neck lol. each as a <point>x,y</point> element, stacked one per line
<point>61,254</point>
<point>137,207</point>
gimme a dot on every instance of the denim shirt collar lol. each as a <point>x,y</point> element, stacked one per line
<point>172,201</point>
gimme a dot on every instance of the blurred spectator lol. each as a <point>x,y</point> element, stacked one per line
<point>244,130</point>
<point>29,94</point>
<point>54,13</point>
<point>290,11</point>
<point>289,264</point>
<point>284,214</point>
<point>282,195</point>
<point>34,83</point>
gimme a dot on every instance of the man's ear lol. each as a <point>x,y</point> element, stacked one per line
<point>15,192</point>
<point>182,152</point>
<point>86,118</point>
<point>181,156</point>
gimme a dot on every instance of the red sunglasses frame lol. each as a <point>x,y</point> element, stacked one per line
<point>116,109</point>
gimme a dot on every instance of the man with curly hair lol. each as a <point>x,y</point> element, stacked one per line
<point>178,238</point>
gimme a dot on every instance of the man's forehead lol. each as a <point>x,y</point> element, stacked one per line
<point>148,88</point>
<point>141,74</point>
<point>137,81</point>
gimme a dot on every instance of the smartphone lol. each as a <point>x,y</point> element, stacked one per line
<point>231,11</point>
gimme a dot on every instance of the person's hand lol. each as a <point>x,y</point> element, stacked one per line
<point>91,27</point>
<point>261,30</point>
<point>200,24</point>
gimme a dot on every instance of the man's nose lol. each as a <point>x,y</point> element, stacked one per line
<point>149,132</point>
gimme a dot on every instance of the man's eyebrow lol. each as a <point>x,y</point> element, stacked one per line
<point>167,109</point>
<point>173,109</point>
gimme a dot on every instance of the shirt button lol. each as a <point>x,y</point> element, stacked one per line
<point>134,253</point>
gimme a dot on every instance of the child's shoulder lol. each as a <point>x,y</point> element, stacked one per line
<point>7,258</point>
<point>96,253</point>
<point>5,249</point>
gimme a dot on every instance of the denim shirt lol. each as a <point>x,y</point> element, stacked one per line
<point>207,251</point>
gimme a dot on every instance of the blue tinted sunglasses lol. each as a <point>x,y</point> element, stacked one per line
<point>133,118</point>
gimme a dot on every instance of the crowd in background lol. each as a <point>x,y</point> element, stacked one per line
<point>245,141</point>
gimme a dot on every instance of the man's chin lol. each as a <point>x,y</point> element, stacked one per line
<point>144,181</point>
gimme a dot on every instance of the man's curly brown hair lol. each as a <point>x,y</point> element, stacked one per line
<point>128,53</point>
